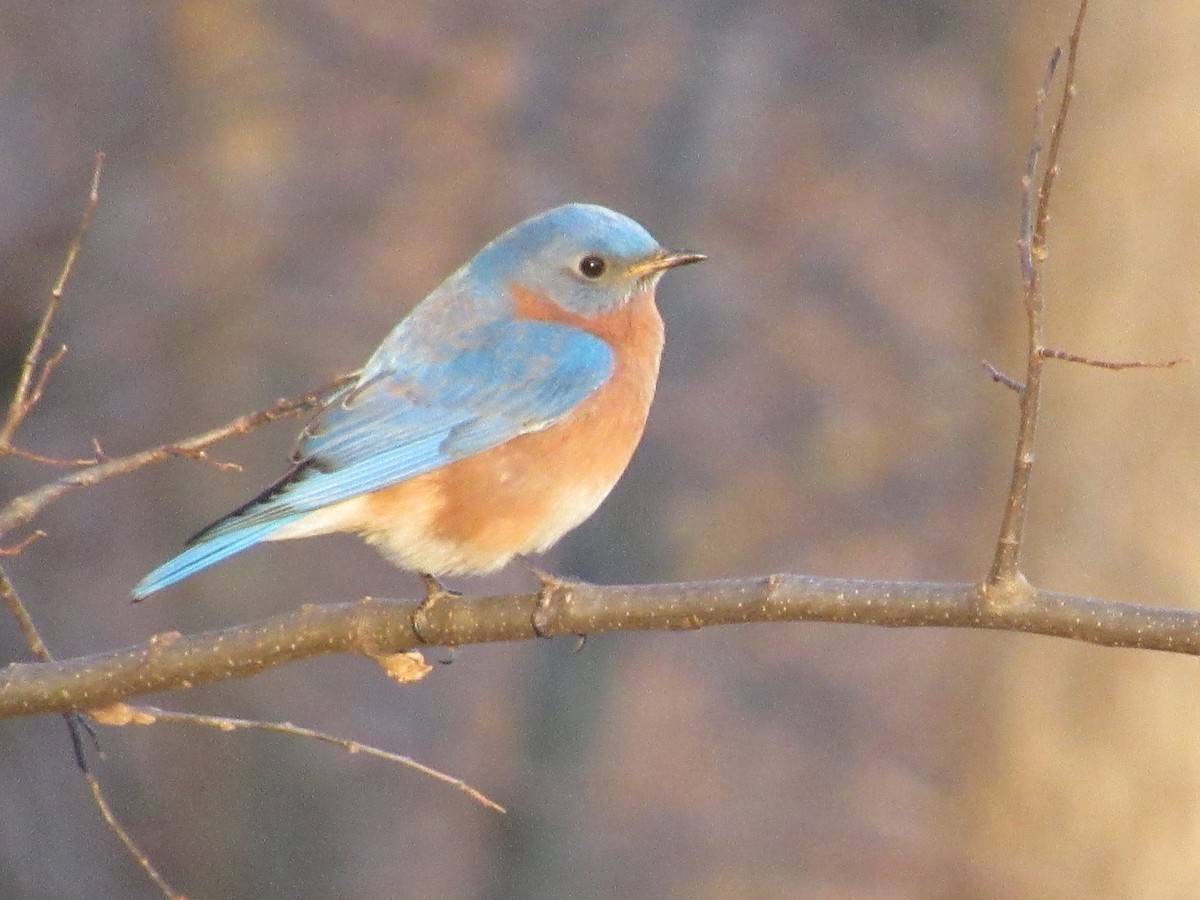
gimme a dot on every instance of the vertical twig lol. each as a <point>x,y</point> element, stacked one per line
<point>76,724</point>
<point>1005,562</point>
<point>29,631</point>
<point>34,372</point>
<point>1029,209</point>
<point>135,852</point>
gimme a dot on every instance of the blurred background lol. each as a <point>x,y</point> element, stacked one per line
<point>285,179</point>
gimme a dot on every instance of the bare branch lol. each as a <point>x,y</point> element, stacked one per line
<point>12,600</point>
<point>21,510</point>
<point>1000,378</point>
<point>19,547</point>
<point>35,394</point>
<point>135,852</point>
<point>1006,560</point>
<point>35,373</point>
<point>202,456</point>
<point>76,723</point>
<point>1025,242</point>
<point>47,460</point>
<point>1042,220</point>
<point>1113,364</point>
<point>32,380</point>
<point>126,714</point>
<point>374,627</point>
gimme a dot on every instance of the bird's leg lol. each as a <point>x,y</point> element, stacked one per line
<point>435,591</point>
<point>546,596</point>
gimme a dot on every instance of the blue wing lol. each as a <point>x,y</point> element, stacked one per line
<point>412,410</point>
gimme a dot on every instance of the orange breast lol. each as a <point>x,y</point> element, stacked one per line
<point>525,494</point>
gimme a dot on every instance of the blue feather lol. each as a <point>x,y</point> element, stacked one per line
<point>201,556</point>
<point>409,415</point>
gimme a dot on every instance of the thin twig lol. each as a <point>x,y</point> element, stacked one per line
<point>19,547</point>
<point>1001,378</point>
<point>21,510</point>
<point>48,367</point>
<point>135,852</point>
<point>1004,574</point>
<point>202,456</point>
<point>47,460</point>
<point>1056,132</point>
<point>1116,365</point>
<point>1025,243</point>
<point>34,373</point>
<point>145,715</point>
<point>76,723</point>
<point>29,631</point>
<point>31,384</point>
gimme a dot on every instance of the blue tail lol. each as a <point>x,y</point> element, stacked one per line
<point>207,551</point>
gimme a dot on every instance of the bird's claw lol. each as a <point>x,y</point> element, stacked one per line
<point>553,589</point>
<point>435,592</point>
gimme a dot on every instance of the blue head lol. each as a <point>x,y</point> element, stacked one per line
<point>587,259</point>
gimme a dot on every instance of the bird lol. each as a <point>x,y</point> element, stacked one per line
<point>492,420</point>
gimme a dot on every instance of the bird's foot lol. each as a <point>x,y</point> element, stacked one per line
<point>435,592</point>
<point>553,591</point>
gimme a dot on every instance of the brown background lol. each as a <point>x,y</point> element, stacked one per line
<point>286,179</point>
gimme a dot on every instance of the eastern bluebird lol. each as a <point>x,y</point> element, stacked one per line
<point>494,418</point>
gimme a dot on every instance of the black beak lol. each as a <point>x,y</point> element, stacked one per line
<point>668,259</point>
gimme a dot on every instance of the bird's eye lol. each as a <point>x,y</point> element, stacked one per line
<point>592,267</point>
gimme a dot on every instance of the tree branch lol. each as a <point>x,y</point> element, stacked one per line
<point>1113,365</point>
<point>377,628</point>
<point>126,714</point>
<point>136,853</point>
<point>21,510</point>
<point>34,371</point>
<point>76,725</point>
<point>1035,218</point>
